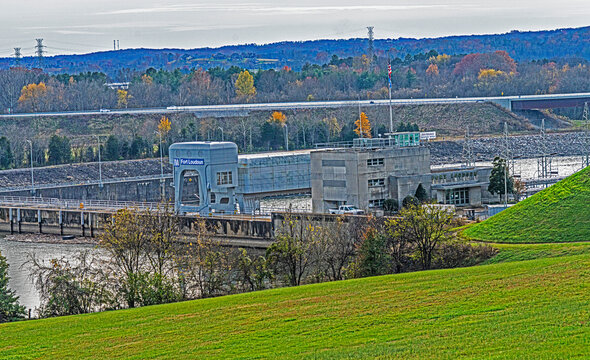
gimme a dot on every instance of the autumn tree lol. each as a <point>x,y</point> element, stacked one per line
<point>164,126</point>
<point>333,127</point>
<point>244,85</point>
<point>32,96</point>
<point>122,98</point>
<point>363,126</point>
<point>279,118</point>
<point>432,70</point>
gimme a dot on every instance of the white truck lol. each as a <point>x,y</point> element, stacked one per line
<point>346,209</point>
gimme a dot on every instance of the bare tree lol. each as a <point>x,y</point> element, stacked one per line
<point>425,226</point>
<point>290,253</point>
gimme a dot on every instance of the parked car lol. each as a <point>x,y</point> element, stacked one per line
<point>347,209</point>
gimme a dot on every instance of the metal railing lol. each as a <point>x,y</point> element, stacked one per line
<point>75,204</point>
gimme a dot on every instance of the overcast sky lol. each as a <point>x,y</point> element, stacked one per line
<point>80,26</point>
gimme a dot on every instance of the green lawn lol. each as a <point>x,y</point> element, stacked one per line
<point>537,309</point>
<point>560,213</point>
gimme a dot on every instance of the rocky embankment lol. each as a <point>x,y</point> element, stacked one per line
<point>82,173</point>
<point>524,146</point>
<point>442,152</point>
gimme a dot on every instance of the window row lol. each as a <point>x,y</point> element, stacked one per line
<point>224,178</point>
<point>376,182</point>
<point>378,203</point>
<point>375,162</point>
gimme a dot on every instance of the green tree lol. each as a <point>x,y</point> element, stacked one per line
<point>6,156</point>
<point>10,309</point>
<point>112,150</point>
<point>410,201</point>
<point>421,194</point>
<point>499,176</point>
<point>373,258</point>
<point>60,150</point>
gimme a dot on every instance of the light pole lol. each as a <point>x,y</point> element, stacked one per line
<point>99,163</point>
<point>32,176</point>
<point>220,128</point>
<point>161,166</point>
<point>286,137</point>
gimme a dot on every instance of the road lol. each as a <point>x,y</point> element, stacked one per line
<point>244,108</point>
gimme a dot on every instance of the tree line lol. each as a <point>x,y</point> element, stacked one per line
<point>145,260</point>
<point>422,75</point>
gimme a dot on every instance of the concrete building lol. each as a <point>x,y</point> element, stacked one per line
<point>216,167</point>
<point>228,183</point>
<point>371,171</point>
<point>463,186</point>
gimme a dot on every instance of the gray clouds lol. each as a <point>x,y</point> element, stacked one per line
<point>74,26</point>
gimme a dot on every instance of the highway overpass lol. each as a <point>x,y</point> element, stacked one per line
<point>520,102</point>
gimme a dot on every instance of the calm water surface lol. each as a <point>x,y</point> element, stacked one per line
<point>16,255</point>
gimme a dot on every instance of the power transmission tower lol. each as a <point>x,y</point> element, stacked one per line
<point>371,49</point>
<point>39,51</point>
<point>17,55</point>
<point>467,150</point>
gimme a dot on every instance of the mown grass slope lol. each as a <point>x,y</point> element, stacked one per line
<point>528,309</point>
<point>560,213</point>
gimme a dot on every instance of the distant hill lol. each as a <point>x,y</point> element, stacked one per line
<point>560,213</point>
<point>522,46</point>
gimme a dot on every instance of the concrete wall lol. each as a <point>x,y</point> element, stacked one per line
<point>251,232</point>
<point>341,176</point>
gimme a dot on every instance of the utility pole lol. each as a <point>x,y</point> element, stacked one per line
<point>360,118</point>
<point>114,45</point>
<point>17,55</point>
<point>118,47</point>
<point>39,51</point>
<point>161,166</point>
<point>506,163</point>
<point>390,108</point>
<point>32,177</point>
<point>99,163</point>
<point>286,136</point>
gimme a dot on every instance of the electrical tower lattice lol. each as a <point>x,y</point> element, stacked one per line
<point>39,51</point>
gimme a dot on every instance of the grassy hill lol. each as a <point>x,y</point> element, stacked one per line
<point>529,309</point>
<point>560,213</point>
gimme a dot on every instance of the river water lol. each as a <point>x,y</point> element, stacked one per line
<point>18,271</point>
<point>16,252</point>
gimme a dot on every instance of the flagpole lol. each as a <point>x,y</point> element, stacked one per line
<point>390,109</point>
